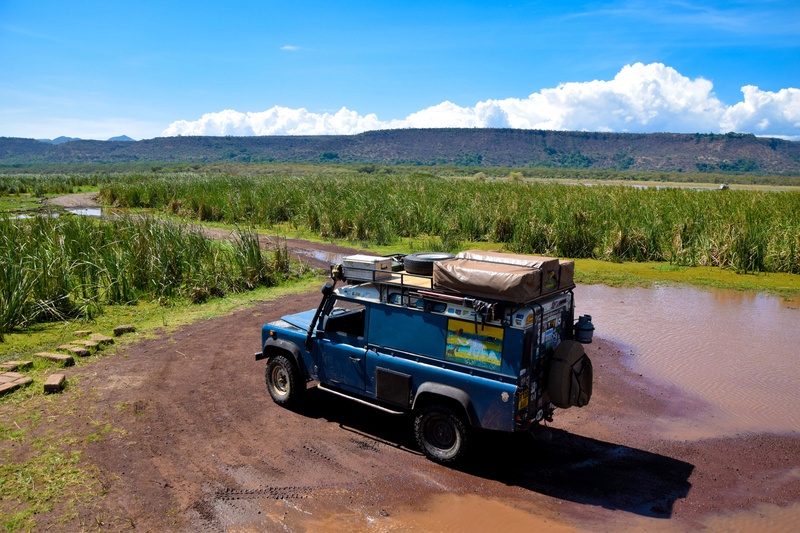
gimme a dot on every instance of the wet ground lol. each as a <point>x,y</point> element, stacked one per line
<point>666,444</point>
<point>198,445</point>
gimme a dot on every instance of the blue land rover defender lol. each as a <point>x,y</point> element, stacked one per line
<point>484,340</point>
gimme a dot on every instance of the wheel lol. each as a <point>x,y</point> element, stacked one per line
<point>283,380</point>
<point>441,433</point>
<point>422,263</point>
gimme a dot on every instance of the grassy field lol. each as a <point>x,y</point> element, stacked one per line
<point>59,268</point>
<point>747,231</point>
<point>62,274</point>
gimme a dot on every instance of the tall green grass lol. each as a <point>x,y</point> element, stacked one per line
<point>51,268</point>
<point>747,231</point>
<point>41,184</point>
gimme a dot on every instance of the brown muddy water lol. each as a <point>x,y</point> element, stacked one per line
<point>738,352</point>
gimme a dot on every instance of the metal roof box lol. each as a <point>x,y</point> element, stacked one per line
<point>367,267</point>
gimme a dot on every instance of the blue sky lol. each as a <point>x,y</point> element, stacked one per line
<point>146,69</point>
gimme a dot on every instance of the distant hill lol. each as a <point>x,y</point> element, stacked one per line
<point>62,139</point>
<point>59,140</point>
<point>730,152</point>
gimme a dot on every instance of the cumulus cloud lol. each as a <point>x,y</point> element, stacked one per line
<point>640,98</point>
<point>765,113</point>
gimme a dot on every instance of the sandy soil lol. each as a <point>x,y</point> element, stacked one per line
<point>197,445</point>
<point>84,199</point>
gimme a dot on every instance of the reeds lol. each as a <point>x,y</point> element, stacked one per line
<point>748,231</point>
<point>51,268</point>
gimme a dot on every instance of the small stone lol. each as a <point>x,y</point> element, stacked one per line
<point>11,366</point>
<point>7,377</point>
<point>122,330</point>
<point>74,350</point>
<point>55,383</point>
<point>101,340</point>
<point>85,344</point>
<point>82,333</point>
<point>11,381</point>
<point>61,358</point>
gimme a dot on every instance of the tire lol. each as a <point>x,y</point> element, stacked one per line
<point>441,434</point>
<point>570,378</point>
<point>283,380</point>
<point>421,263</point>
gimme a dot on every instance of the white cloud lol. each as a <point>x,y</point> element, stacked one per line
<point>276,121</point>
<point>640,98</point>
<point>290,48</point>
<point>765,112</point>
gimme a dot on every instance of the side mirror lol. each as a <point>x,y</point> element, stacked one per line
<point>327,289</point>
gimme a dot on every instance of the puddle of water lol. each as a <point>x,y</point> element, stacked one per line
<point>25,216</point>
<point>739,352</point>
<point>764,517</point>
<point>328,257</point>
<point>86,211</point>
<point>469,512</point>
<point>82,211</point>
<point>450,512</point>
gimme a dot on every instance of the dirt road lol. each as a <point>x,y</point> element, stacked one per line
<point>197,445</point>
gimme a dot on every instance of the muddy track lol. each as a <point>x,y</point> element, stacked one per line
<point>316,255</point>
<point>197,445</point>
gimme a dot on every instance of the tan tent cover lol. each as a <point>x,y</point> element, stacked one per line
<point>550,267</point>
<point>496,281</point>
<point>567,276</point>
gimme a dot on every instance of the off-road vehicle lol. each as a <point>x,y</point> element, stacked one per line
<point>484,340</point>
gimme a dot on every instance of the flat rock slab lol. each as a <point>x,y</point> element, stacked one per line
<point>85,344</point>
<point>11,366</point>
<point>102,340</point>
<point>82,333</point>
<point>55,383</point>
<point>122,330</point>
<point>74,350</point>
<point>61,358</point>
<point>10,381</point>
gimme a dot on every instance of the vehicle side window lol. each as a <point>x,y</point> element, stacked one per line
<point>346,318</point>
<point>408,330</point>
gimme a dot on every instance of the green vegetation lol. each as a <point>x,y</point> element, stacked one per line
<point>746,231</point>
<point>56,268</point>
<point>42,468</point>
<point>647,274</point>
<point>482,148</point>
<point>40,185</point>
<point>61,274</point>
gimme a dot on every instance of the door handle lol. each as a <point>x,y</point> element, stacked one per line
<point>355,359</point>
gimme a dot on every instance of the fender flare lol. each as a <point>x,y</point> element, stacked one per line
<point>429,389</point>
<point>276,346</point>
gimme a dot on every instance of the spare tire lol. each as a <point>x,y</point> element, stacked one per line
<point>570,378</point>
<point>421,263</point>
